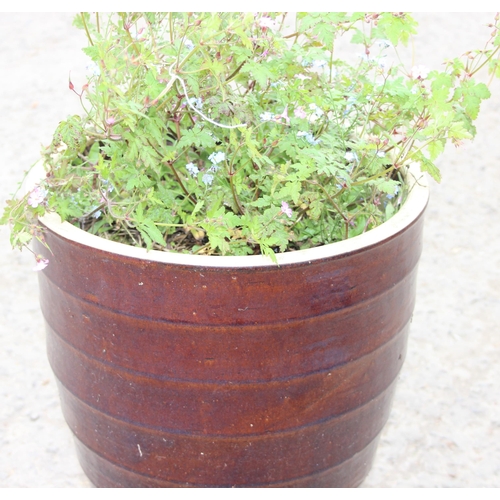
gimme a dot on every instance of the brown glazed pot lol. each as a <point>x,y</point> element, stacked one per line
<point>179,370</point>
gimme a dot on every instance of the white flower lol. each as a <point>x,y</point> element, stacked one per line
<point>266,116</point>
<point>300,76</point>
<point>351,157</point>
<point>217,157</point>
<point>135,33</point>
<point>381,154</point>
<point>382,62</point>
<point>419,72</point>
<point>41,263</point>
<point>267,22</point>
<point>192,169</point>
<point>189,44</point>
<point>93,69</point>
<point>316,110</point>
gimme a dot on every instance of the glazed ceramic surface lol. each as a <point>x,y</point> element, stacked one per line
<point>179,370</point>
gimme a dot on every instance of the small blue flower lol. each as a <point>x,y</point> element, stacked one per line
<point>319,63</point>
<point>279,83</point>
<point>308,137</point>
<point>196,102</point>
<point>342,179</point>
<point>384,44</point>
<point>189,44</point>
<point>207,179</point>
<point>110,187</point>
<point>396,191</point>
<point>192,169</point>
<point>351,101</point>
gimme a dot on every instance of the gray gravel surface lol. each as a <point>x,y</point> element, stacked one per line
<point>444,430</point>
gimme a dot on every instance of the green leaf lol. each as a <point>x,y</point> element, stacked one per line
<point>435,148</point>
<point>245,40</point>
<point>427,165</point>
<point>71,133</point>
<point>193,85</point>
<point>153,86</point>
<point>250,143</point>
<point>265,249</point>
<point>385,185</point>
<point>260,72</point>
<point>199,205</point>
<point>396,28</point>
<point>218,237</point>
<point>389,211</point>
<point>94,154</point>
<point>147,227</point>
<point>441,86</point>
<point>290,190</point>
<point>196,137</point>
<point>92,52</point>
<point>472,94</point>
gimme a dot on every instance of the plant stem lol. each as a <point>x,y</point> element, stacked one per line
<point>82,15</point>
<point>181,184</point>
<point>330,199</point>
<point>235,72</point>
<point>231,172</point>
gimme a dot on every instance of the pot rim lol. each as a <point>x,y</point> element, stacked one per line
<point>410,211</point>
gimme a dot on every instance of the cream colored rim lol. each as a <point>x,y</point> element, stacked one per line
<point>412,208</point>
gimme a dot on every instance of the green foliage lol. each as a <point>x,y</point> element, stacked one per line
<point>234,133</point>
<point>396,27</point>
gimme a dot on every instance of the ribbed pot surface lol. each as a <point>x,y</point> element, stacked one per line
<point>204,376</point>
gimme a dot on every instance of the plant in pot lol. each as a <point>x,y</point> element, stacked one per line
<point>228,239</point>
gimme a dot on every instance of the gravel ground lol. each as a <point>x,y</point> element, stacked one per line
<point>444,430</point>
